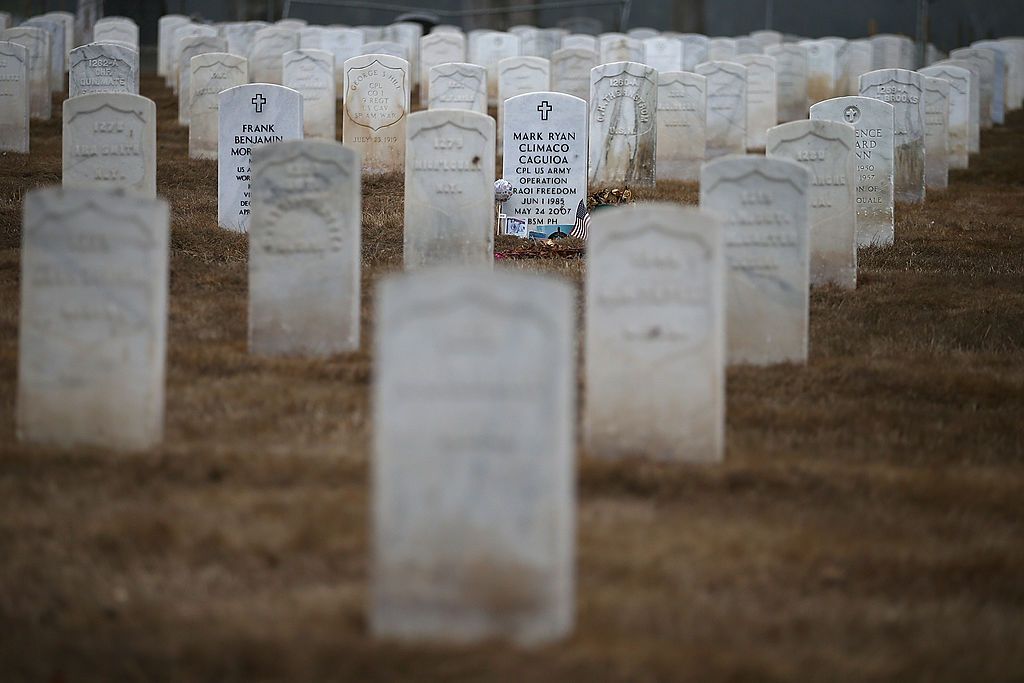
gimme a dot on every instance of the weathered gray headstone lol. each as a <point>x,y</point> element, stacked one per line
<point>545,159</point>
<point>859,61</point>
<point>821,70</point>
<point>14,98</point>
<point>762,97</point>
<point>826,149</point>
<point>663,54</point>
<point>996,60</point>
<point>93,334</point>
<point>212,74</point>
<point>189,48</point>
<point>487,50</point>
<point>519,76</point>
<point>727,107</point>
<point>936,133</point>
<point>615,47</point>
<point>311,74</point>
<point>249,116</point>
<point>109,142</point>
<point>984,63</point>
<point>872,122</point>
<point>762,206</point>
<point>166,26</point>
<point>959,80</point>
<point>623,124</point>
<point>904,90</point>
<point>267,52</point>
<point>449,189</point>
<point>682,109</point>
<point>790,80</point>
<point>695,50</point>
<point>304,249</point>
<point>58,52</point>
<point>375,111</point>
<point>974,115</point>
<point>458,85</point>
<point>721,49</point>
<point>887,51</point>
<point>570,71</point>
<point>655,318</point>
<point>103,67</point>
<point>474,466</point>
<point>37,43</point>
<point>437,49</point>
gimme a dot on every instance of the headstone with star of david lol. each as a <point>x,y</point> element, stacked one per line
<point>249,116</point>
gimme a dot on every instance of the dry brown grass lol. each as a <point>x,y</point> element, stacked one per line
<point>867,524</point>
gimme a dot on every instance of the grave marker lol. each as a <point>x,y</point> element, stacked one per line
<point>481,446</point>
<point>872,122</point>
<point>936,133</point>
<point>103,67</point>
<point>376,106</point>
<point>655,318</point>
<point>790,80</point>
<point>519,76</point>
<point>570,71</point>
<point>266,53</point>
<point>762,98</point>
<point>37,43</point>
<point>761,204</point>
<point>623,125</point>
<point>449,189</point>
<point>727,108</point>
<point>189,48</point>
<point>458,86</point>
<point>249,116</point>
<point>212,74</point>
<point>311,74</point>
<point>682,110</point>
<point>615,47</point>
<point>904,90</point>
<point>959,80</point>
<point>109,142</point>
<point>826,150</point>
<point>545,159</point>
<point>304,249</point>
<point>93,330</point>
<point>14,98</point>
<point>437,49</point>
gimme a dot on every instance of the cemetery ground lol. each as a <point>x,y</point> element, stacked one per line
<point>866,525</point>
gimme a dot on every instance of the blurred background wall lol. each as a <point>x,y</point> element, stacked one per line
<point>953,22</point>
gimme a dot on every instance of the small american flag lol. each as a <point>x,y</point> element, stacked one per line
<point>582,226</point>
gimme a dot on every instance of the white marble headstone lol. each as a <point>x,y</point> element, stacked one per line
<point>826,149</point>
<point>615,47</point>
<point>821,70</point>
<point>344,44</point>
<point>959,80</point>
<point>58,52</point>
<point>103,67</point>
<point>458,85</point>
<point>570,71</point>
<point>655,321</point>
<point>904,90</point>
<point>762,97</point>
<point>311,74</point>
<point>936,133</point>
<point>623,125</point>
<point>189,48</point>
<point>872,122</point>
<point>304,249</point>
<point>376,106</point>
<point>212,74</point>
<point>267,52</point>
<point>37,42</point>
<point>519,76</point>
<point>93,330</point>
<point>14,98</point>
<point>727,107</point>
<point>109,142</point>
<point>449,189</point>
<point>790,80</point>
<point>663,54</point>
<point>545,159</point>
<point>436,49</point>
<point>762,205</point>
<point>682,110</point>
<point>695,50</point>
<point>249,116</point>
<point>487,50</point>
<point>474,465</point>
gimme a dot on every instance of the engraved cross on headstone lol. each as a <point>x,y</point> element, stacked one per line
<point>259,101</point>
<point>544,108</point>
